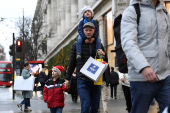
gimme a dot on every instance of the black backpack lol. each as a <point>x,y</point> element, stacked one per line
<point>120,55</point>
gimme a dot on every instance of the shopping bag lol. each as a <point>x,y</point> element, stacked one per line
<point>100,81</point>
<point>93,69</point>
<point>22,84</point>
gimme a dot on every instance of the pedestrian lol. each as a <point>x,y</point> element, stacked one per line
<point>36,80</point>
<point>104,88</point>
<point>147,47</point>
<point>73,90</point>
<point>88,14</point>
<point>50,74</point>
<point>114,81</point>
<point>88,92</point>
<point>26,94</point>
<point>126,90</point>
<point>42,78</point>
<point>53,91</point>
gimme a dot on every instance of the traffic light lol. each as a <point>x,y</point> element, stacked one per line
<point>18,46</point>
<point>11,50</point>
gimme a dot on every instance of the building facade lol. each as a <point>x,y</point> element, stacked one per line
<point>61,19</point>
<point>2,54</point>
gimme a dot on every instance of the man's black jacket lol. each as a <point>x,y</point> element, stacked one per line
<point>87,50</point>
<point>114,78</point>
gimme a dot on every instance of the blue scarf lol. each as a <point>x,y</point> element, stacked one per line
<point>86,20</point>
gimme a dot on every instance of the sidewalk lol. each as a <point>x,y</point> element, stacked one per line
<point>7,105</point>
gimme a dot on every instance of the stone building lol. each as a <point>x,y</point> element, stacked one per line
<point>61,19</point>
<point>2,54</point>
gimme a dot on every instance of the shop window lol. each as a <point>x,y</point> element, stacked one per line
<point>108,24</point>
<point>167,5</point>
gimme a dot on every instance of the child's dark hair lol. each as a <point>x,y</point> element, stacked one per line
<point>26,64</point>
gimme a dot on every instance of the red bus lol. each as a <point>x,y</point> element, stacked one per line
<point>5,73</point>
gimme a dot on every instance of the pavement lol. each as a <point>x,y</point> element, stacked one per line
<point>8,105</point>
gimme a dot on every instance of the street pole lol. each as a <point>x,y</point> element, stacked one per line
<point>23,53</point>
<point>13,49</point>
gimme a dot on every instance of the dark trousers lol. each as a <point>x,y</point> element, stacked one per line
<point>126,91</point>
<point>26,101</point>
<point>89,96</point>
<point>142,94</point>
<point>56,110</point>
<point>42,86</point>
<point>115,90</point>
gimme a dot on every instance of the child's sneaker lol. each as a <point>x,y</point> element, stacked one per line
<point>78,56</point>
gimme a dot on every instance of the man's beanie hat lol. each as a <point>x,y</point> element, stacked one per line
<point>89,24</point>
<point>58,69</point>
<point>85,8</point>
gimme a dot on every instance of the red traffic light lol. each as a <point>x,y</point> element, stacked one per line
<point>18,46</point>
<point>18,43</point>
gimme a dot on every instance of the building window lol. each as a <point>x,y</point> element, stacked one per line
<point>108,24</point>
<point>167,5</point>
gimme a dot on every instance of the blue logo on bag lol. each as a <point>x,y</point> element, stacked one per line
<point>92,68</point>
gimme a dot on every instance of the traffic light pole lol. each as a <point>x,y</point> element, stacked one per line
<point>13,49</point>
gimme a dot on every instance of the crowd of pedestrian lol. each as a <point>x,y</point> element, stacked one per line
<point>147,47</point>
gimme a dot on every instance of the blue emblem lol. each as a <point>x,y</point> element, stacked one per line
<point>92,68</point>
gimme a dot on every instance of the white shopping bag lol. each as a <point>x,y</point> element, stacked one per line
<point>22,84</point>
<point>93,69</point>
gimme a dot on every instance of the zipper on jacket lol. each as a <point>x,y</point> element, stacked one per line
<point>90,47</point>
<point>53,94</point>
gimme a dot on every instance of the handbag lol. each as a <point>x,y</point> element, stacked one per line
<point>93,69</point>
<point>22,84</point>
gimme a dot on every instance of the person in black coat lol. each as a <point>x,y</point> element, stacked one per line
<point>104,87</point>
<point>50,74</point>
<point>42,78</point>
<point>36,80</point>
<point>73,90</point>
<point>88,92</point>
<point>114,81</point>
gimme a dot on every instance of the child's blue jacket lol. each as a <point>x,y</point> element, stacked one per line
<point>80,28</point>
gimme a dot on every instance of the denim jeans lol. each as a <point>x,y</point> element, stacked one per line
<point>26,101</point>
<point>56,110</point>
<point>79,43</point>
<point>142,94</point>
<point>89,96</point>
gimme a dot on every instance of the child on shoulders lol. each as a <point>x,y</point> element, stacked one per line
<point>87,13</point>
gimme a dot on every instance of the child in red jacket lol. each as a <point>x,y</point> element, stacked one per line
<point>53,91</point>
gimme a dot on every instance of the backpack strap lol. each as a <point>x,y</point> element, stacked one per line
<point>165,11</point>
<point>137,9</point>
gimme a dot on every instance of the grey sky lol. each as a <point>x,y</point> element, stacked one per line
<point>11,10</point>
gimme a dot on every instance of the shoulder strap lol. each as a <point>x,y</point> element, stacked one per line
<point>137,9</point>
<point>165,11</point>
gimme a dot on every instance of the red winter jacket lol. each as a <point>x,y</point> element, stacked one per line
<point>53,93</point>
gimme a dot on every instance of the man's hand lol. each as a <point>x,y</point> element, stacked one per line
<point>149,74</point>
<point>122,80</point>
<point>67,85</point>
<point>100,52</point>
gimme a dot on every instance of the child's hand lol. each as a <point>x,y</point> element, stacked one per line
<point>92,40</point>
<point>87,41</point>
